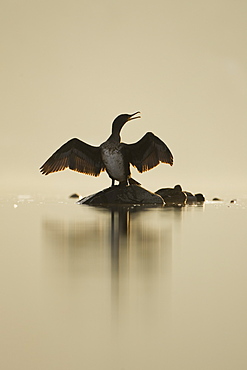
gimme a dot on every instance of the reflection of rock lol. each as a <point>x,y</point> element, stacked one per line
<point>131,194</point>
<point>173,196</point>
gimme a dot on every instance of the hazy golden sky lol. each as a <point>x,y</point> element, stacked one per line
<point>68,68</point>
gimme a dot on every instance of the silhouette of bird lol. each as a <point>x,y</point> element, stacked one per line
<point>112,156</point>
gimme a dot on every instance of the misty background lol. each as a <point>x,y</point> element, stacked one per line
<point>68,68</point>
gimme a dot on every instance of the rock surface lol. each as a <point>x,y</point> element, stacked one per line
<point>177,197</point>
<point>129,195</point>
<point>74,195</point>
<point>173,196</point>
<point>200,197</point>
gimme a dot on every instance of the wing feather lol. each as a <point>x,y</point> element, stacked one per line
<point>76,155</point>
<point>148,152</point>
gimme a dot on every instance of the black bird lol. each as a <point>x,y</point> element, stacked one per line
<point>112,155</point>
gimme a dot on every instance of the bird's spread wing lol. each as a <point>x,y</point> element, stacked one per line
<point>148,152</point>
<point>76,155</point>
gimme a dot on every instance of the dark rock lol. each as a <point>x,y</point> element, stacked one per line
<point>217,200</point>
<point>173,196</point>
<point>194,198</point>
<point>129,195</point>
<point>176,196</point>
<point>234,201</point>
<point>200,197</point>
<point>191,198</point>
<point>75,195</point>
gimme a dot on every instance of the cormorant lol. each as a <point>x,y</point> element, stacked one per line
<point>112,155</point>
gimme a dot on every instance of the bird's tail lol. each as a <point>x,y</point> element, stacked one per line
<point>133,182</point>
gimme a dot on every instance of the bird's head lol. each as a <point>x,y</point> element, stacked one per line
<point>119,121</point>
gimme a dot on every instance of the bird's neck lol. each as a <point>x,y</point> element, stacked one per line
<point>115,134</point>
<point>115,137</point>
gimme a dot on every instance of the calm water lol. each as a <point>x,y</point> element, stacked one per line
<point>92,288</point>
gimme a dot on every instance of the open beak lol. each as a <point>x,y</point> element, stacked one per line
<point>131,116</point>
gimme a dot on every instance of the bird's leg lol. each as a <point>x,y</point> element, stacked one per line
<point>123,183</point>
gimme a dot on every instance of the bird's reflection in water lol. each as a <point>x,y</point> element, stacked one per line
<point>125,247</point>
<point>119,235</point>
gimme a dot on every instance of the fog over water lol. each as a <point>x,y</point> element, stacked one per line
<point>68,69</point>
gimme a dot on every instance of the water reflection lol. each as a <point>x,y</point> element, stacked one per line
<point>130,288</point>
<point>131,248</point>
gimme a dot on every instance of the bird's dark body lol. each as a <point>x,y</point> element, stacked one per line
<point>113,156</point>
<point>115,161</point>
